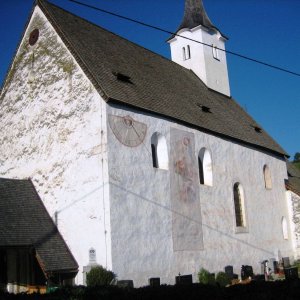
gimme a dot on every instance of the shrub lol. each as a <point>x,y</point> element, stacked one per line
<point>222,279</point>
<point>205,277</point>
<point>99,276</point>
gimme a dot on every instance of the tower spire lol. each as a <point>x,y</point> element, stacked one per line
<point>195,15</point>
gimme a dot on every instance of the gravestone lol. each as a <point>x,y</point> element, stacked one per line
<point>154,282</point>
<point>291,273</point>
<point>229,271</point>
<point>246,272</point>
<point>286,262</point>
<point>184,279</point>
<point>125,283</point>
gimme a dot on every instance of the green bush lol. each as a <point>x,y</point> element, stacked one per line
<point>205,277</point>
<point>222,279</point>
<point>99,276</point>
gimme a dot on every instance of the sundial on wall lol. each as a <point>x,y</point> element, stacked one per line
<point>128,131</point>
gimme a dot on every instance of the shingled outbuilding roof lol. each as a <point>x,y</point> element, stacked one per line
<point>155,84</point>
<point>24,221</point>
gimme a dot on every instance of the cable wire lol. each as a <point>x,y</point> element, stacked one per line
<point>175,34</point>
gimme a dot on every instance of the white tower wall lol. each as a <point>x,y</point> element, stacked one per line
<point>207,63</point>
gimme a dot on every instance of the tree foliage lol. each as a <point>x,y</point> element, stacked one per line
<point>222,279</point>
<point>99,276</point>
<point>205,277</point>
<point>297,157</point>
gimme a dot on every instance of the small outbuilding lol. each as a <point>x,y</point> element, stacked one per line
<point>33,254</point>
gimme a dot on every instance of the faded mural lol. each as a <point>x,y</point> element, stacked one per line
<point>185,201</point>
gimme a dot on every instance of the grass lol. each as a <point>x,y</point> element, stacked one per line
<point>297,164</point>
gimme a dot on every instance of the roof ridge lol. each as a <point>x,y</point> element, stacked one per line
<point>111,32</point>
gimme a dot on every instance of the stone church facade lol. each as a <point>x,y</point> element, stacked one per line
<point>135,157</point>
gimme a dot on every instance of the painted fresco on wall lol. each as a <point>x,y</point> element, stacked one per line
<point>185,201</point>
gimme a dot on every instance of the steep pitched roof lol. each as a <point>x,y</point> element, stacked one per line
<point>195,15</point>
<point>293,182</point>
<point>24,221</point>
<point>155,83</point>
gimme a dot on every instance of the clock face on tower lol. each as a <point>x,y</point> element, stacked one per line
<point>128,131</point>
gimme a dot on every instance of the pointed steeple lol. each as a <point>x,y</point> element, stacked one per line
<point>195,15</point>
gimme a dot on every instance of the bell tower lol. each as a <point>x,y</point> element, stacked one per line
<point>204,57</point>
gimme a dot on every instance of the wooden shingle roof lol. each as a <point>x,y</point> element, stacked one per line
<point>293,182</point>
<point>24,221</point>
<point>157,85</point>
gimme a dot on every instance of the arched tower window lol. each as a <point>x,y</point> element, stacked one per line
<point>205,167</point>
<point>239,205</point>
<point>183,53</point>
<point>284,228</point>
<point>159,151</point>
<point>215,52</point>
<point>267,177</point>
<point>188,52</point>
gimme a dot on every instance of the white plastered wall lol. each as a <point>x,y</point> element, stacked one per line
<point>53,130</point>
<point>141,210</point>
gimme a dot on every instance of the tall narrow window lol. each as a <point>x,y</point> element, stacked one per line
<point>284,228</point>
<point>205,167</point>
<point>238,195</point>
<point>215,52</point>
<point>267,177</point>
<point>154,155</point>
<point>159,151</point>
<point>183,53</point>
<point>188,52</point>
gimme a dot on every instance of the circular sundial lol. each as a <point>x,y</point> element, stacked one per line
<point>33,37</point>
<point>128,131</point>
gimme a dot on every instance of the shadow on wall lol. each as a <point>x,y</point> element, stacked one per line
<point>267,252</point>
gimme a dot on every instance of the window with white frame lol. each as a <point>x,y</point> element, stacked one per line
<point>284,225</point>
<point>239,205</point>
<point>267,177</point>
<point>186,52</point>
<point>183,53</point>
<point>159,151</point>
<point>205,167</point>
<point>215,52</point>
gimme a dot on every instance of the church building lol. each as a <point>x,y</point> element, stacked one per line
<point>147,166</point>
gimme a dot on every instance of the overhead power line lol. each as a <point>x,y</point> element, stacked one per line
<point>193,40</point>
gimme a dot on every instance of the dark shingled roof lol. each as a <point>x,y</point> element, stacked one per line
<point>293,182</point>
<point>155,83</point>
<point>195,15</point>
<point>24,221</point>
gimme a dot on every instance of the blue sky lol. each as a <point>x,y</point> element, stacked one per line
<point>267,30</point>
